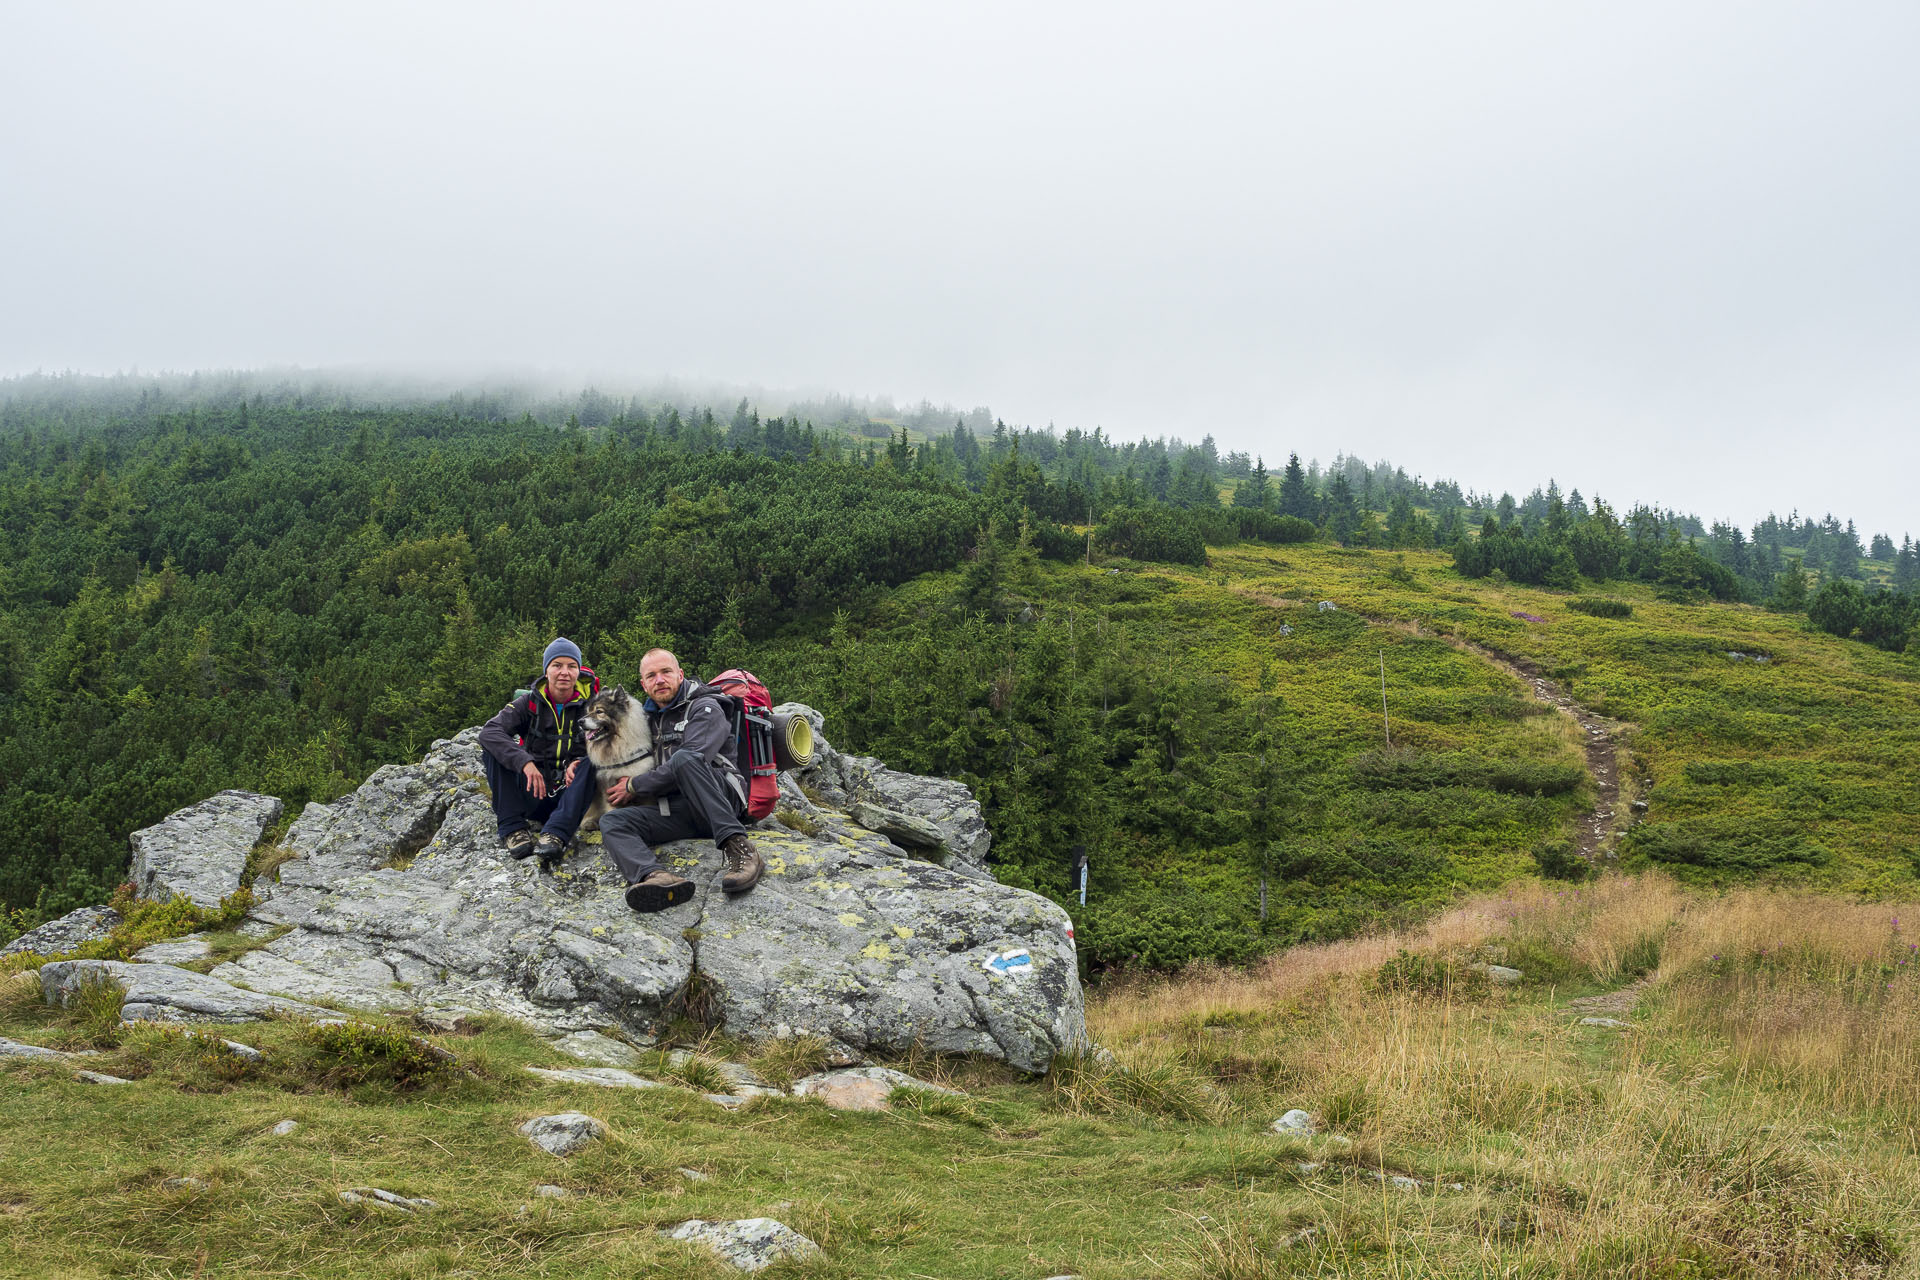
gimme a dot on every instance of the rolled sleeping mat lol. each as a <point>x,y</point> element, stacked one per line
<point>792,741</point>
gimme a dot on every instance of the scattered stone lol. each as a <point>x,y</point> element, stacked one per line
<point>750,1244</point>
<point>1613,1023</point>
<point>199,852</point>
<point>862,1088</point>
<point>186,1184</point>
<point>591,1046</point>
<point>245,1052</point>
<point>694,1175</point>
<point>175,951</point>
<point>552,1191</point>
<point>284,1128</point>
<point>1297,1124</point>
<point>18,1049</point>
<point>446,1022</point>
<point>605,1077</point>
<point>563,1134</point>
<point>98,1077</point>
<point>1396,1181</point>
<point>74,929</point>
<point>1498,974</point>
<point>376,1198</point>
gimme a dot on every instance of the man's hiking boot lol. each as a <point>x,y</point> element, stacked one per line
<point>520,843</point>
<point>658,891</point>
<point>744,865</point>
<point>549,849</point>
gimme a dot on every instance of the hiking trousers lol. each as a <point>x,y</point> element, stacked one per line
<point>704,806</point>
<point>515,807</point>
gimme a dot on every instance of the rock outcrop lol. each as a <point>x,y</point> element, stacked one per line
<point>200,852</point>
<point>75,929</point>
<point>399,897</point>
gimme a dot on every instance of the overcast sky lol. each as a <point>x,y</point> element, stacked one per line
<point>1665,252</point>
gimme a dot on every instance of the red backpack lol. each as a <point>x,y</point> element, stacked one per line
<point>752,737</point>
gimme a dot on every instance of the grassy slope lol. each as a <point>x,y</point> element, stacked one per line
<point>1817,745</point>
<point>1756,1119</point>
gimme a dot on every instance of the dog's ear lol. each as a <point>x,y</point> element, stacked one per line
<point>621,697</point>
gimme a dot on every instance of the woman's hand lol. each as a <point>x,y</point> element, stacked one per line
<point>536,781</point>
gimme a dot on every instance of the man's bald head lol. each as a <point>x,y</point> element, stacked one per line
<point>660,675</point>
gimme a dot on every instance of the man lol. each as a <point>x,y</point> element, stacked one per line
<point>534,755</point>
<point>694,789</point>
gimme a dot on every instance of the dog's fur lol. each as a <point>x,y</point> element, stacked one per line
<point>618,742</point>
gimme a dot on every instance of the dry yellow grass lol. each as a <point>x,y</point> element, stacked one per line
<point>1759,1118</point>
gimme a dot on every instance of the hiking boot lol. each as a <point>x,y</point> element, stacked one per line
<point>520,843</point>
<point>549,849</point>
<point>659,890</point>
<point>745,866</point>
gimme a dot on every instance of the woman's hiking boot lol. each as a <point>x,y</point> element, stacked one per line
<point>549,849</point>
<point>658,890</point>
<point>745,866</point>
<point>520,843</point>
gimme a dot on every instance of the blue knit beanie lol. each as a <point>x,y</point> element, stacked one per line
<point>560,648</point>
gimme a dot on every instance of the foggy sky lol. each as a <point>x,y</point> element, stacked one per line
<point>1660,252</point>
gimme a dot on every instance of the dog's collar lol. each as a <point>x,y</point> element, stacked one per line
<point>629,760</point>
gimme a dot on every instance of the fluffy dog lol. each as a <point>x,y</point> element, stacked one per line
<point>619,744</point>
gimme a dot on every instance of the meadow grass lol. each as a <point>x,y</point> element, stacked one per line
<point>1757,1118</point>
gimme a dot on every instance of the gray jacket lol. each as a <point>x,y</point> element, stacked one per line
<point>693,731</point>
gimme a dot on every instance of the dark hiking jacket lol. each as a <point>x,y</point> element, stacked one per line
<point>532,729</point>
<point>693,731</point>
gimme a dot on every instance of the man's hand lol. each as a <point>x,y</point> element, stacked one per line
<point>536,781</point>
<point>573,767</point>
<point>617,793</point>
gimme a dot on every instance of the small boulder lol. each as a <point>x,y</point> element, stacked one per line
<point>1296,1124</point>
<point>563,1134</point>
<point>1498,974</point>
<point>20,1049</point>
<point>605,1077</point>
<point>552,1191</point>
<point>376,1198</point>
<point>591,1046</point>
<point>186,1184</point>
<point>284,1128</point>
<point>74,929</point>
<point>175,951</point>
<point>862,1088</point>
<point>1612,1023</point>
<point>749,1244</point>
<point>98,1077</point>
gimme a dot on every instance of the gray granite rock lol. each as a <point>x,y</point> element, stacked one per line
<point>929,814</point>
<point>392,1201</point>
<point>750,1244</point>
<point>285,1128</point>
<point>1613,1024</point>
<point>199,852</point>
<point>604,1077</point>
<point>57,937</point>
<point>19,1049</point>
<point>186,1184</point>
<point>162,993</point>
<point>400,898</point>
<point>1498,974</point>
<point>551,1191</point>
<point>175,951</point>
<point>99,1077</point>
<point>1297,1124</point>
<point>863,1088</point>
<point>591,1046</point>
<point>564,1133</point>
